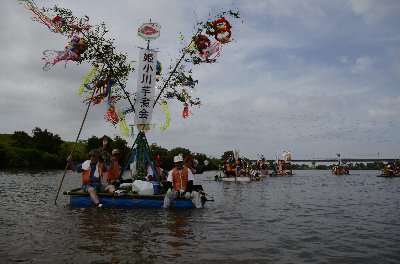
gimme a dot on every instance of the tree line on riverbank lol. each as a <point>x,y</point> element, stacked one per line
<point>44,150</point>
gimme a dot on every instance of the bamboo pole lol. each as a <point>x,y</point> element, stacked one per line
<point>74,146</point>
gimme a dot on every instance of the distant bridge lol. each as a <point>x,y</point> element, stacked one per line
<point>344,160</point>
<point>347,160</point>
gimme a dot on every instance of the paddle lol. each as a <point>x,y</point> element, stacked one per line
<point>74,146</point>
<point>237,172</point>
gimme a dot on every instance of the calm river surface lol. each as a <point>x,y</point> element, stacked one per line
<point>312,217</point>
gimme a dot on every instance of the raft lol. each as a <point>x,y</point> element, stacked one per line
<point>79,198</point>
<point>239,179</point>
<point>287,174</point>
<point>388,175</point>
<point>340,173</point>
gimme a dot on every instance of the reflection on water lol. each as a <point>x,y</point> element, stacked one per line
<point>98,232</point>
<point>313,217</point>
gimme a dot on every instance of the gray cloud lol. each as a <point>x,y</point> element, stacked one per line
<point>305,76</point>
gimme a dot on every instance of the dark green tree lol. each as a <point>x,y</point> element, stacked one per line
<point>322,167</point>
<point>227,154</point>
<point>21,139</point>
<point>179,150</point>
<point>157,150</point>
<point>3,157</point>
<point>94,143</point>
<point>46,141</point>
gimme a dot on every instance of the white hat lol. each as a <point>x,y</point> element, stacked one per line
<point>178,158</point>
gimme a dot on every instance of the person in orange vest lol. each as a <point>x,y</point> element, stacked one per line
<point>92,172</point>
<point>113,176</point>
<point>180,183</point>
<point>228,170</point>
<point>239,165</point>
<point>160,172</point>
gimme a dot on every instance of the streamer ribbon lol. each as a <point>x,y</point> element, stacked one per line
<point>164,126</point>
<point>85,84</point>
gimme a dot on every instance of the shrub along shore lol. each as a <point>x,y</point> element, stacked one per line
<point>44,150</point>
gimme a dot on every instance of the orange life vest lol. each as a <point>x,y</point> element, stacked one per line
<point>180,178</point>
<point>86,174</point>
<point>228,167</point>
<point>158,170</point>
<point>114,173</point>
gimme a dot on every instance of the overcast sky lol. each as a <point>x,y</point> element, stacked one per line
<point>316,77</point>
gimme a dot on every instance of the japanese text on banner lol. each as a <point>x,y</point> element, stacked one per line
<point>145,86</point>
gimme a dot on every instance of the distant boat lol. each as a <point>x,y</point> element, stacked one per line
<point>282,168</point>
<point>390,171</point>
<point>341,170</point>
<point>238,179</point>
<point>281,174</point>
<point>388,175</point>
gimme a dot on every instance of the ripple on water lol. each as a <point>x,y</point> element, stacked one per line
<point>313,217</point>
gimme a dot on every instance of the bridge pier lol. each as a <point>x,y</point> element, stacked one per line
<point>313,164</point>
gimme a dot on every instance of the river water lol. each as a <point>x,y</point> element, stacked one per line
<point>312,217</point>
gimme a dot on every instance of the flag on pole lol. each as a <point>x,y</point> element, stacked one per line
<point>145,88</point>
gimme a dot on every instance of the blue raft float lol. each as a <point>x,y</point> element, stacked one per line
<point>79,198</point>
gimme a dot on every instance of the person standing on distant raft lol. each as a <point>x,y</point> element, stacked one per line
<point>239,165</point>
<point>227,170</point>
<point>92,171</point>
<point>180,183</point>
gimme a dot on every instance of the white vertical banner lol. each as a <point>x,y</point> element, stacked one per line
<point>145,87</point>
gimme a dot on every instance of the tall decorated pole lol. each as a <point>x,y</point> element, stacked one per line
<point>146,81</point>
<point>145,89</point>
<point>106,83</point>
<point>145,94</point>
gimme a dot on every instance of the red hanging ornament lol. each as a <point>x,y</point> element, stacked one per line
<point>111,116</point>
<point>202,43</point>
<point>222,29</point>
<point>185,112</point>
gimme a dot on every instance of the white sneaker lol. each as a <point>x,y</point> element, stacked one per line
<point>119,193</point>
<point>99,205</point>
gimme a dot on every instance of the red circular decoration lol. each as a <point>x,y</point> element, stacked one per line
<point>222,29</point>
<point>202,43</point>
<point>221,37</point>
<point>221,22</point>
